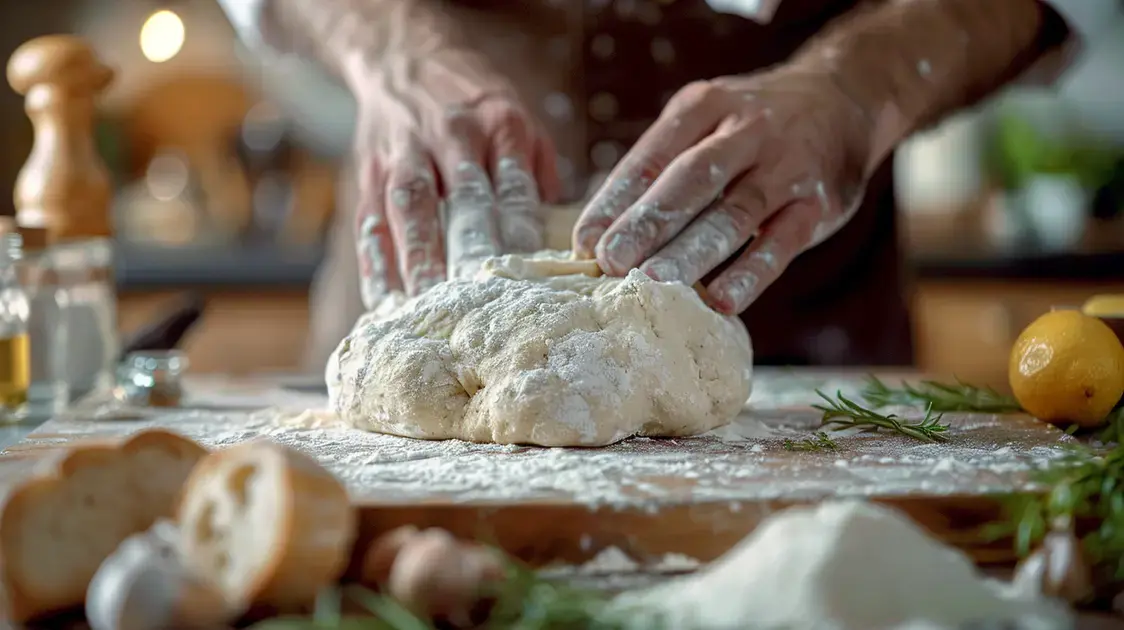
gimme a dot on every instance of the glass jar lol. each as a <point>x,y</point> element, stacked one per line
<point>85,271</point>
<point>151,379</point>
<point>15,346</point>
<point>49,391</point>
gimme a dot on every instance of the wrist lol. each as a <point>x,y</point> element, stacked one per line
<point>897,60</point>
<point>451,75</point>
<point>866,98</point>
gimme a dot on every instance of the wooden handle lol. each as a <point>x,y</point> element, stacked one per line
<point>63,187</point>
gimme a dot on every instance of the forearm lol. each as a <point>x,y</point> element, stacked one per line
<point>911,62</point>
<point>353,37</point>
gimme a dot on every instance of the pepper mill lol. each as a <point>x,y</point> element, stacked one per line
<point>63,186</point>
<point>64,189</point>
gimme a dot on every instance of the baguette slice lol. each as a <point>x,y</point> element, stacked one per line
<point>60,523</point>
<point>267,524</point>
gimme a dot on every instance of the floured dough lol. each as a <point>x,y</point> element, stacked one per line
<point>541,350</point>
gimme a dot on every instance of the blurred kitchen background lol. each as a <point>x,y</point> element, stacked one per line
<point>1008,210</point>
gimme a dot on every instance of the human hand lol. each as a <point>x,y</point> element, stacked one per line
<point>778,160</point>
<point>443,126</point>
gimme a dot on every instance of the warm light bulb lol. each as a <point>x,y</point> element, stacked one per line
<point>161,37</point>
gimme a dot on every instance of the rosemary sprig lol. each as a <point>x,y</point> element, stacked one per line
<point>845,413</point>
<point>1113,431</point>
<point>1086,485</point>
<point>818,442</point>
<point>525,601</point>
<point>522,601</point>
<point>939,397</point>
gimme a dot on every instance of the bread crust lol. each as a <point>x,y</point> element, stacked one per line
<point>60,522</point>
<point>313,526</point>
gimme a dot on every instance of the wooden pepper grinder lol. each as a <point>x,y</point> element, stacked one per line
<point>64,189</point>
<point>63,186</point>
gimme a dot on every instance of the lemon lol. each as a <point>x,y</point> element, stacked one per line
<point>1067,367</point>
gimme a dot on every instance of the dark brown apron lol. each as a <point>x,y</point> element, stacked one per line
<point>598,72</point>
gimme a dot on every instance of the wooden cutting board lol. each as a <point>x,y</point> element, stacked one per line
<point>696,497</point>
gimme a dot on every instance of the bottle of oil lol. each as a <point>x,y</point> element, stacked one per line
<point>15,346</point>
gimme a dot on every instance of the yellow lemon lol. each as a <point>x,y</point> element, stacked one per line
<point>1067,367</point>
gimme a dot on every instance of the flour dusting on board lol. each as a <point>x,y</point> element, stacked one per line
<point>614,560</point>
<point>746,462</point>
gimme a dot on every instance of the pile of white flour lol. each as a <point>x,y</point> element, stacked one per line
<point>840,566</point>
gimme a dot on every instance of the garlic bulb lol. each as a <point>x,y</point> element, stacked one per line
<point>144,585</point>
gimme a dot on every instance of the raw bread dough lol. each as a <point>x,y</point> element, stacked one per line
<point>540,350</point>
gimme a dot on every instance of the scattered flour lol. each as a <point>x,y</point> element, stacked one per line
<point>841,566</point>
<point>741,465</point>
<point>613,560</point>
<point>610,560</point>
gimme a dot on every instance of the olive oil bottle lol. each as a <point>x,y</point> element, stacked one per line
<point>15,346</point>
<point>15,371</point>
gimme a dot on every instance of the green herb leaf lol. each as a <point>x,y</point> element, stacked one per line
<point>393,615</point>
<point>524,601</point>
<point>818,442</point>
<point>1113,431</point>
<point>328,605</point>
<point>940,397</point>
<point>1088,484</point>
<point>844,413</point>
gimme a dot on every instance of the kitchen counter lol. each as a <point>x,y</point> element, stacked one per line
<point>1020,264</point>
<point>13,433</point>
<point>141,268</point>
<point>236,398</point>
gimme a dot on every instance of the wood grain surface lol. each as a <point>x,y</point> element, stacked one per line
<point>648,497</point>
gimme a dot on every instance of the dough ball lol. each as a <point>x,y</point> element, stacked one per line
<point>524,356</point>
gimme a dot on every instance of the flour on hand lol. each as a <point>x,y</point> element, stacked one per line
<point>841,566</point>
<point>540,350</point>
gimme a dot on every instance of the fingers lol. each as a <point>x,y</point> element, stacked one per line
<point>470,211</point>
<point>470,202</point>
<point>373,243</point>
<point>689,184</point>
<point>519,209</point>
<point>691,115</point>
<point>546,169</point>
<point>782,238</point>
<point>412,211</point>
<point>519,214</point>
<point>711,240</point>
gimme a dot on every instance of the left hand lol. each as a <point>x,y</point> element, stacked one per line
<point>779,158</point>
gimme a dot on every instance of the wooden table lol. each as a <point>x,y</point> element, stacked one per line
<point>695,497</point>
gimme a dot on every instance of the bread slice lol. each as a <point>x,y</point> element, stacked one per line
<point>59,524</point>
<point>267,524</point>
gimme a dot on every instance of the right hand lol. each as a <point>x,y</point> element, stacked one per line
<point>443,126</point>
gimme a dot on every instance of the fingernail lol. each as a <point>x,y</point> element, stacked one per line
<point>766,258</point>
<point>400,197</point>
<point>585,240</point>
<point>618,253</point>
<point>735,294</point>
<point>663,270</point>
